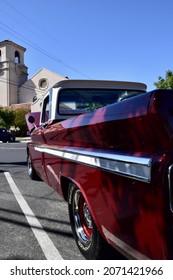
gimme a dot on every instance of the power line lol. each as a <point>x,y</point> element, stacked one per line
<point>50,38</point>
<point>6,28</point>
<point>35,24</point>
<point>25,17</point>
<point>14,83</point>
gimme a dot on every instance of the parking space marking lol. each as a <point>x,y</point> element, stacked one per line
<point>47,246</point>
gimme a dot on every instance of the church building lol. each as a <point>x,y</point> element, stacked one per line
<point>16,90</point>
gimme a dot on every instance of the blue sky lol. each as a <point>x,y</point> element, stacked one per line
<point>93,39</point>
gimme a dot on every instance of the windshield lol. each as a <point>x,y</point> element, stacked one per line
<point>79,101</point>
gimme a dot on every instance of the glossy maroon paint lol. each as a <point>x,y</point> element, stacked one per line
<point>136,212</point>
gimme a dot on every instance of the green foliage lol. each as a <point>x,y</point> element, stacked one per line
<point>167,82</point>
<point>20,121</point>
<point>7,117</point>
<point>94,106</point>
<point>14,118</point>
<point>2,123</point>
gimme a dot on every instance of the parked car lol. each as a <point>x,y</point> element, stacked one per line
<point>6,136</point>
<point>107,148</point>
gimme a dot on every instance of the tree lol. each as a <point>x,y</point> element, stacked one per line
<point>20,121</point>
<point>14,119</point>
<point>167,82</point>
<point>7,117</point>
<point>2,123</point>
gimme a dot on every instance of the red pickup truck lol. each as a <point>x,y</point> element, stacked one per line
<point>107,148</point>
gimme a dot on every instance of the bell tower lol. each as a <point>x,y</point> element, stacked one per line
<point>13,72</point>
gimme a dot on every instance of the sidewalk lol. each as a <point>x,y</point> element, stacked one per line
<point>23,139</point>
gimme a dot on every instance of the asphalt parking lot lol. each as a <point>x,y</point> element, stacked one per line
<point>34,221</point>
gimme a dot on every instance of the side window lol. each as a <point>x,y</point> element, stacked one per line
<point>46,110</point>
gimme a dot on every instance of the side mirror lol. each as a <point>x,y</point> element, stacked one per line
<point>31,119</point>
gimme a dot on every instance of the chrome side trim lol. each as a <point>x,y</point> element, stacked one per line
<point>170,188</point>
<point>123,247</point>
<point>130,166</point>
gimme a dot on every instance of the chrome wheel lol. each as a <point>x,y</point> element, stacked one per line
<point>88,239</point>
<point>31,171</point>
<point>82,218</point>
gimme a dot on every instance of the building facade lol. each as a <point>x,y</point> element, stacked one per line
<point>15,87</point>
<point>13,72</point>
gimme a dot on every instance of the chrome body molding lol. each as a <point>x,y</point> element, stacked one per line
<point>123,247</point>
<point>135,167</point>
<point>170,187</point>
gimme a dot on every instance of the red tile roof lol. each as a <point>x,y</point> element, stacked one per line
<point>25,106</point>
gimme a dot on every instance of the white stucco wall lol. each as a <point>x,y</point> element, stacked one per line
<point>15,88</point>
<point>13,72</point>
<point>34,88</point>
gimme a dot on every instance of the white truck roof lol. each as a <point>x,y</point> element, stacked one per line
<point>101,84</point>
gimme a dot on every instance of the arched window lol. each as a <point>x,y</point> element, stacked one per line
<point>17,57</point>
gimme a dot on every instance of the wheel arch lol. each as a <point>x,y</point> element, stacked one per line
<point>27,150</point>
<point>65,186</point>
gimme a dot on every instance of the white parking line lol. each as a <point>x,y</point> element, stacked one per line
<point>49,250</point>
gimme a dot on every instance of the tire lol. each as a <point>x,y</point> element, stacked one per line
<point>88,239</point>
<point>12,139</point>
<point>31,171</point>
